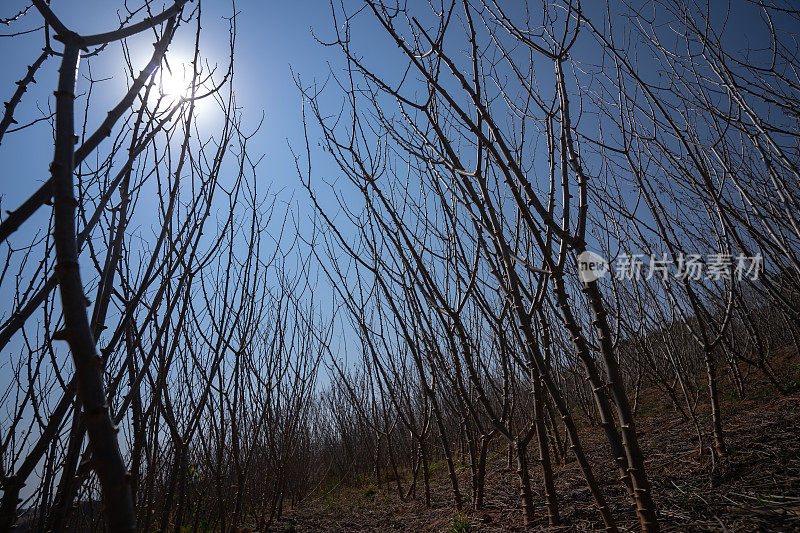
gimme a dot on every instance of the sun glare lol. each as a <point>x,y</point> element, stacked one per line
<point>174,82</point>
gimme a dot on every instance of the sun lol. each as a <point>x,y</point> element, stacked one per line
<point>174,81</point>
<point>173,85</point>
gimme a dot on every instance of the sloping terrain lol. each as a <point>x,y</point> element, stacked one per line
<point>755,488</point>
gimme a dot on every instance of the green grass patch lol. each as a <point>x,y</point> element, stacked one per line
<point>460,524</point>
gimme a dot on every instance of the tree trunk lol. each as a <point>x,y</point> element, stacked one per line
<point>544,456</point>
<point>107,460</point>
<point>525,483</point>
<point>480,475</point>
<point>716,418</point>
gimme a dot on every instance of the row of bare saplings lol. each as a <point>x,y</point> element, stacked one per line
<point>474,182</point>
